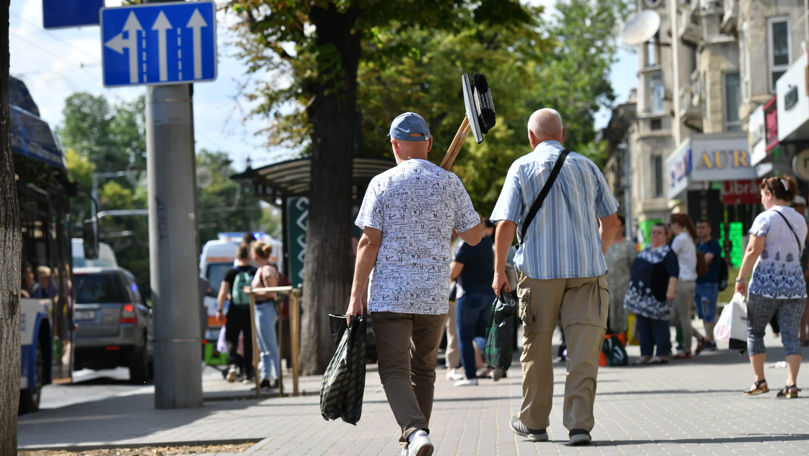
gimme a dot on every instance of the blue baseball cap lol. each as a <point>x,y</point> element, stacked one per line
<point>409,126</point>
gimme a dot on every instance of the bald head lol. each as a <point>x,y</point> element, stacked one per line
<point>545,124</point>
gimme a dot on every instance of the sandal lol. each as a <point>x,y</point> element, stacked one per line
<point>658,360</point>
<point>701,344</point>
<point>759,387</point>
<point>788,392</point>
<point>683,355</point>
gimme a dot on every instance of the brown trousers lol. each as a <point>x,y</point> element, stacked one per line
<point>583,305</point>
<point>407,348</point>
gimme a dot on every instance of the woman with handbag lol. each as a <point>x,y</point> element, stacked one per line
<point>777,286</point>
<point>650,295</point>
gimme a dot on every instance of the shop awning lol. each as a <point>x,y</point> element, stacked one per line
<point>293,177</point>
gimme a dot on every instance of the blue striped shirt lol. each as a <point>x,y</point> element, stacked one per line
<point>562,240</point>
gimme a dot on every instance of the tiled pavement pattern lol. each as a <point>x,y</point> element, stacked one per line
<point>686,407</point>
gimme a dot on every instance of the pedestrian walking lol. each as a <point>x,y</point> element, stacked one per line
<point>407,217</point>
<point>706,291</point>
<point>266,314</point>
<point>233,288</point>
<point>777,286</point>
<point>684,247</point>
<point>561,272</point>
<point>650,296</point>
<point>799,204</point>
<point>620,255</point>
<point>473,271</point>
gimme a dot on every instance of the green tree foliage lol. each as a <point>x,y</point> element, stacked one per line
<point>100,137</point>
<point>111,137</point>
<point>223,204</point>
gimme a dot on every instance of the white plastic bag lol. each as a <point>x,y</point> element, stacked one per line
<point>732,324</point>
<point>221,343</point>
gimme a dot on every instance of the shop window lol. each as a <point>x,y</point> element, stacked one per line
<point>732,102</point>
<point>656,91</point>
<point>778,47</point>
<point>657,169</point>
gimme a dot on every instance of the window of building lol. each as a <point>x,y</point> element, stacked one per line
<point>657,169</point>
<point>656,90</point>
<point>778,47</point>
<point>732,101</point>
<point>656,124</point>
<point>651,58</point>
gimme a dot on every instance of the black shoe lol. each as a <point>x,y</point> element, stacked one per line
<point>579,437</point>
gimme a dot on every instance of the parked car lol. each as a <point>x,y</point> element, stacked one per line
<point>113,324</point>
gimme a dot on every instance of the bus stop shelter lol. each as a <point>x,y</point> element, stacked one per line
<point>287,184</point>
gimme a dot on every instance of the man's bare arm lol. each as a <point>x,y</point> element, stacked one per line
<point>608,229</point>
<point>473,235</point>
<point>503,238</point>
<point>367,249</point>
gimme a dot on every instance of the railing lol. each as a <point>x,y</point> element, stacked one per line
<point>294,330</point>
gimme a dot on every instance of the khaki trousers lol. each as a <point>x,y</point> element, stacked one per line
<point>583,305</point>
<point>407,348</point>
<point>681,310</point>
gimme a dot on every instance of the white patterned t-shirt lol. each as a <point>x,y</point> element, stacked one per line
<point>416,205</point>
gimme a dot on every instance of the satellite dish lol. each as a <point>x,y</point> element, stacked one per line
<point>640,27</point>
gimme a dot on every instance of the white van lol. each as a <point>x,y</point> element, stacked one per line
<point>106,256</point>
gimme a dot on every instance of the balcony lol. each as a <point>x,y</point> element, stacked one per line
<point>730,18</point>
<point>691,105</point>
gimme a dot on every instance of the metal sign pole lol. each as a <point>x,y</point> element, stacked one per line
<point>173,246</point>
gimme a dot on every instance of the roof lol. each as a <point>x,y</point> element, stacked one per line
<point>293,177</point>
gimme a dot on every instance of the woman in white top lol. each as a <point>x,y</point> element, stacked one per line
<point>777,286</point>
<point>683,245</point>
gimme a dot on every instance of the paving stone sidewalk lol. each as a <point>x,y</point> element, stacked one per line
<point>686,407</point>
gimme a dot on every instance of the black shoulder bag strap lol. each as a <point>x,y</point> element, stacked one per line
<point>800,248</point>
<point>529,217</point>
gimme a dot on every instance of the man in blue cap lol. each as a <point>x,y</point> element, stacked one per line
<point>407,217</point>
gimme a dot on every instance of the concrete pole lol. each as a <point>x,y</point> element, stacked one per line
<point>173,246</point>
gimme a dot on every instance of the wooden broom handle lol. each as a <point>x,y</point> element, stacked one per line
<point>457,142</point>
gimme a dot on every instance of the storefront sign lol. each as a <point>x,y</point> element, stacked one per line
<point>709,158</point>
<point>791,98</point>
<point>741,192</point>
<point>793,104</point>
<point>756,134</point>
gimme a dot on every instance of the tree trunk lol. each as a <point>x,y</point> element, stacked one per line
<point>327,266</point>
<point>9,265</point>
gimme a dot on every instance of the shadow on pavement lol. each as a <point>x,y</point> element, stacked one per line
<point>113,419</point>
<point>720,440</point>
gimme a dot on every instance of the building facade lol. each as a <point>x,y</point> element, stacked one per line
<point>704,79</point>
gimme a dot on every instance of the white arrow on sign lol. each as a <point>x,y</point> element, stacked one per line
<point>161,24</point>
<point>195,24</point>
<point>118,43</point>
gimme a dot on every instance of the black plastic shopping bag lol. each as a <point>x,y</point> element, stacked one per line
<point>500,336</point>
<point>344,380</point>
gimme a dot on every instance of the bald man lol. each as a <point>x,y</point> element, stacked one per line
<point>561,273</point>
<point>407,218</point>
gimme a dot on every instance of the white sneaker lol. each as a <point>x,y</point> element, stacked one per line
<point>421,445</point>
<point>469,382</point>
<point>453,375</point>
<point>232,374</point>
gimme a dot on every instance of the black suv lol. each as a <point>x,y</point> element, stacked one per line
<point>113,325</point>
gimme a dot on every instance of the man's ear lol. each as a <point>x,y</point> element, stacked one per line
<point>564,132</point>
<point>532,140</point>
<point>429,144</point>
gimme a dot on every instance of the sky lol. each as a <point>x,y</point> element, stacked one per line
<point>56,63</point>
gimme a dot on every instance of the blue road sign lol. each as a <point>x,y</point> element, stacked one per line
<point>159,43</point>
<point>70,13</point>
